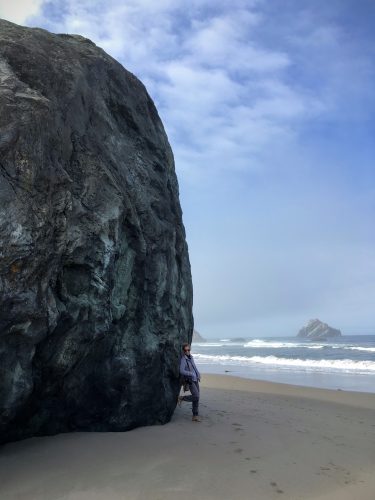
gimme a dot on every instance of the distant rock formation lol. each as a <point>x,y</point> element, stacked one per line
<point>316,330</point>
<point>95,282</point>
<point>197,337</point>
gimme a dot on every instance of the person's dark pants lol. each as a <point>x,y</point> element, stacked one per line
<point>194,398</point>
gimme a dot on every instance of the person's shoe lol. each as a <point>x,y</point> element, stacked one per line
<point>196,418</point>
<point>179,400</point>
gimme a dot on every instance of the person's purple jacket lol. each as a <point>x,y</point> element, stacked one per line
<point>188,368</point>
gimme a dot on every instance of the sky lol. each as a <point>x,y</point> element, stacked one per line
<point>269,106</point>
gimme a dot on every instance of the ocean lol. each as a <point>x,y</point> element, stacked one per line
<point>346,363</point>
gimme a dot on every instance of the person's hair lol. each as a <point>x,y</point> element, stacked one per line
<point>186,344</point>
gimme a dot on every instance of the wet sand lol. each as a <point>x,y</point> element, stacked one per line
<point>257,440</point>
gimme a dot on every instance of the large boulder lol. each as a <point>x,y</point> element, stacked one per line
<point>317,330</point>
<point>95,282</point>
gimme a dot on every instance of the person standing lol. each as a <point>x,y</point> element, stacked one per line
<point>189,370</point>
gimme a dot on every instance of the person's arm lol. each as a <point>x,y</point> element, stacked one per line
<point>196,370</point>
<point>183,370</point>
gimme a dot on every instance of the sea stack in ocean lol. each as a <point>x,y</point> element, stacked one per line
<point>317,330</point>
<point>95,288</point>
<point>197,337</point>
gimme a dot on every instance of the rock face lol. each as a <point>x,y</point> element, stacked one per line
<point>95,286</point>
<point>197,337</point>
<point>316,330</point>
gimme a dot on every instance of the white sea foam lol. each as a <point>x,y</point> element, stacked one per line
<point>207,344</point>
<point>346,365</point>
<point>261,344</point>
<point>364,349</point>
<point>351,347</point>
<point>257,343</point>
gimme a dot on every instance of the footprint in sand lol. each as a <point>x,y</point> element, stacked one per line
<point>237,427</point>
<point>274,485</point>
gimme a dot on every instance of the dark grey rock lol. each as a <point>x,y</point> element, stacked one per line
<point>95,283</point>
<point>316,330</point>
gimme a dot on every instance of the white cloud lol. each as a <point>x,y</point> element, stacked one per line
<point>224,42</point>
<point>18,11</point>
<point>221,94</point>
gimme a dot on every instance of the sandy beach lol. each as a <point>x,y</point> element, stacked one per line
<point>257,440</point>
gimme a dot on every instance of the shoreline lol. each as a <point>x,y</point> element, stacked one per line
<point>257,439</point>
<point>341,396</point>
<point>332,381</point>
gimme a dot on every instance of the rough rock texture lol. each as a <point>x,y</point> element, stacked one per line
<point>95,283</point>
<point>316,330</point>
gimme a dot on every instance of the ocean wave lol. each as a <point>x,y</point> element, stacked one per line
<point>264,344</point>
<point>347,365</point>
<point>365,349</point>
<point>261,344</point>
<point>207,344</point>
<point>274,345</point>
